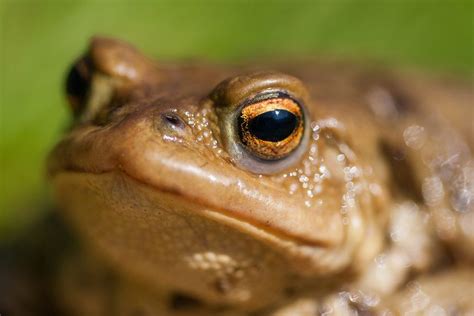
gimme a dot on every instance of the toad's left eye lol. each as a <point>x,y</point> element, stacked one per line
<point>271,125</point>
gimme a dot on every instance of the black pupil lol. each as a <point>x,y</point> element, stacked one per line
<point>273,126</point>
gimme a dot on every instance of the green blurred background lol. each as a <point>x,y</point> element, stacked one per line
<point>39,39</point>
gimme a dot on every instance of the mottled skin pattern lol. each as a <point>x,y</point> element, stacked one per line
<point>373,213</point>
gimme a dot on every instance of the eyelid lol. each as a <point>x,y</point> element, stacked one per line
<point>231,93</point>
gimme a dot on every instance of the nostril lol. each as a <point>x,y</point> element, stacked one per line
<point>173,120</point>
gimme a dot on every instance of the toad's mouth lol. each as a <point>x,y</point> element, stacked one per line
<point>216,213</point>
<point>228,193</point>
<point>219,213</point>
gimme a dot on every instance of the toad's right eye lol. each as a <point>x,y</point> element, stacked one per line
<point>271,125</point>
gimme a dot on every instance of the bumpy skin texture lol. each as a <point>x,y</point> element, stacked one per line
<point>175,217</point>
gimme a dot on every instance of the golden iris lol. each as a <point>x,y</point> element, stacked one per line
<point>271,127</point>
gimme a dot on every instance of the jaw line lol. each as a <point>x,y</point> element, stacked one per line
<point>213,212</point>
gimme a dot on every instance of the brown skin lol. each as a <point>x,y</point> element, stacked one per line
<point>156,182</point>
